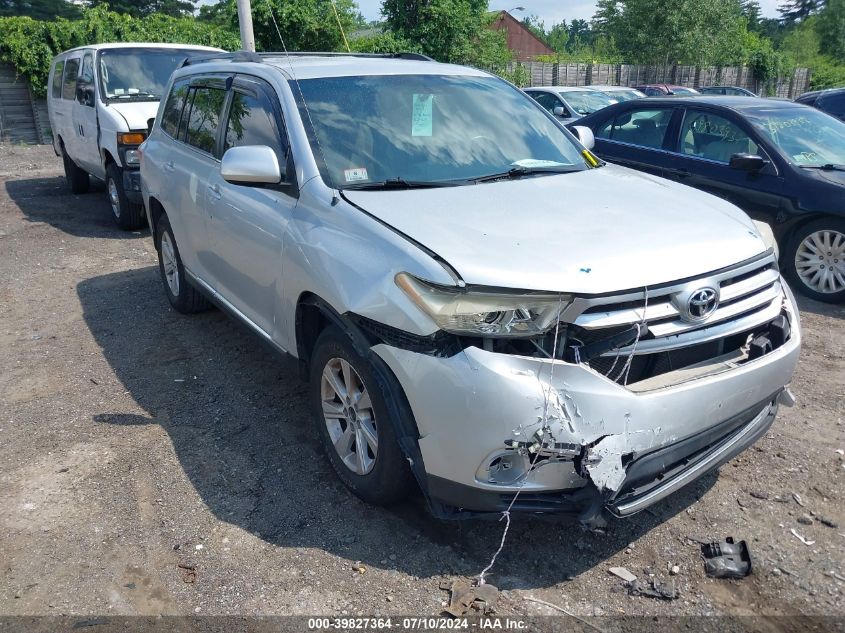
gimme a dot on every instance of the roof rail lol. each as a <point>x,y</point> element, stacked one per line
<point>249,56</point>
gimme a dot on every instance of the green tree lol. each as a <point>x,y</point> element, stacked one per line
<point>797,10</point>
<point>534,24</point>
<point>39,9</point>
<point>558,36</point>
<point>831,30</point>
<point>753,14</point>
<point>141,8</point>
<point>305,25</point>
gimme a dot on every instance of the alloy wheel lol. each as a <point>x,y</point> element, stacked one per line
<point>169,263</point>
<point>820,261</point>
<point>349,416</point>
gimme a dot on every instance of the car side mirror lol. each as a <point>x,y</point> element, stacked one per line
<point>559,111</point>
<point>585,135</point>
<point>251,165</point>
<point>85,94</point>
<point>747,162</point>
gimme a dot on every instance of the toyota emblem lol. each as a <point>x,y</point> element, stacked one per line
<point>701,304</point>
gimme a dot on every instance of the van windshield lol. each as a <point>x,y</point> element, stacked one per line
<point>139,74</point>
<point>430,129</point>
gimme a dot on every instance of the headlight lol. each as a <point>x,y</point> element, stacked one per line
<point>132,157</point>
<point>486,313</point>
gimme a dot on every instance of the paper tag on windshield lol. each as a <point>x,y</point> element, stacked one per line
<point>355,174</point>
<point>536,162</point>
<point>421,116</point>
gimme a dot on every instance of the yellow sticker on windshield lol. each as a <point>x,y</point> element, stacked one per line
<point>421,115</point>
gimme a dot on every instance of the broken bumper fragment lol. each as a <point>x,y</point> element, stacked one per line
<point>569,439</point>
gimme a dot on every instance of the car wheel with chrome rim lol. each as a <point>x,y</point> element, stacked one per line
<point>815,260</point>
<point>181,294</point>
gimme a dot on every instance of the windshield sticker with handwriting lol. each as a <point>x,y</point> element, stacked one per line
<point>421,115</point>
<point>355,174</point>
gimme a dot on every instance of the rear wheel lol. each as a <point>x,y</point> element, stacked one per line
<point>181,294</point>
<point>353,423</point>
<point>128,215</point>
<point>815,260</point>
<point>77,178</point>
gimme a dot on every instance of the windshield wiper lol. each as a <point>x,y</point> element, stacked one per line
<point>826,167</point>
<point>135,95</point>
<point>401,183</point>
<point>519,172</point>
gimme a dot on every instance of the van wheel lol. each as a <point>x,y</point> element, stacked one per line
<point>128,215</point>
<point>353,424</point>
<point>77,178</point>
<point>181,294</point>
<point>815,260</point>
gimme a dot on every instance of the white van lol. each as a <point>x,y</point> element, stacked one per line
<point>100,99</point>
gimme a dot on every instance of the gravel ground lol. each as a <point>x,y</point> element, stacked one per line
<point>152,463</point>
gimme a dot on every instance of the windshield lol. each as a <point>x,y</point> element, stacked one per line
<point>430,128</point>
<point>587,102</point>
<point>806,137</point>
<point>625,95</point>
<point>139,74</point>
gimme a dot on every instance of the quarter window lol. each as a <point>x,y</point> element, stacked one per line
<point>252,121</point>
<point>57,79</point>
<point>71,73</point>
<point>713,137</point>
<point>173,107</point>
<point>205,118</point>
<point>645,127</point>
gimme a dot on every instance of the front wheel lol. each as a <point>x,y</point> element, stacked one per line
<point>353,422</point>
<point>128,215</point>
<point>815,260</point>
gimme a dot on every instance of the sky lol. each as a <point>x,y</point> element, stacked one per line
<point>549,11</point>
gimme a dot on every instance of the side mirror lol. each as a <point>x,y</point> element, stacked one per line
<point>251,165</point>
<point>150,124</point>
<point>585,135</point>
<point>559,111</point>
<point>747,162</point>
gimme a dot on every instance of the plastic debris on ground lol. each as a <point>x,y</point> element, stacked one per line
<point>726,559</point>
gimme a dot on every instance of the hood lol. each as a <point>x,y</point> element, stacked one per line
<point>833,176</point>
<point>136,114</point>
<point>596,231</point>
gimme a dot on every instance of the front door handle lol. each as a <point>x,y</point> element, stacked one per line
<point>169,166</point>
<point>214,192</point>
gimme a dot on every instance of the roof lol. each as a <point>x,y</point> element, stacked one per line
<point>114,45</point>
<point>310,66</point>
<point>814,93</point>
<point>732,102</point>
<point>565,88</point>
<point>606,87</point>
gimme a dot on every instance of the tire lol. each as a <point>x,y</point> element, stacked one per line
<point>387,478</point>
<point>182,295</point>
<point>814,260</point>
<point>77,178</point>
<point>128,215</point>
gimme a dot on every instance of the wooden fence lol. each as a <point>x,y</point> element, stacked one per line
<point>585,74</point>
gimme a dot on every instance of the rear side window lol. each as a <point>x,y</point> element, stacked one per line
<point>57,79</point>
<point>252,121</point>
<point>205,118</point>
<point>71,72</point>
<point>646,128</point>
<point>173,107</point>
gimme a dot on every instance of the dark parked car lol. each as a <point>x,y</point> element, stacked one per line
<point>782,162</point>
<point>730,91</point>
<point>661,90</point>
<point>831,101</point>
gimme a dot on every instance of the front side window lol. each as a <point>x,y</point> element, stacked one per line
<point>71,73</point>
<point>173,107</point>
<point>804,136</point>
<point>252,121</point>
<point>85,84</point>
<point>713,137</point>
<point>139,74</point>
<point>645,127</point>
<point>430,128</point>
<point>204,119</point>
<point>548,101</point>
<point>57,79</point>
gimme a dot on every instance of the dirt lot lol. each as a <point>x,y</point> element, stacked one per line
<point>152,463</point>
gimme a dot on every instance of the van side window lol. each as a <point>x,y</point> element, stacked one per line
<point>205,118</point>
<point>70,75</point>
<point>85,85</point>
<point>173,107</point>
<point>252,121</point>
<point>57,79</point>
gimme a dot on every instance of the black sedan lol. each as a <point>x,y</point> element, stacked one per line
<point>831,101</point>
<point>782,162</point>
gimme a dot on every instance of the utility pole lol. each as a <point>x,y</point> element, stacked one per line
<point>245,20</point>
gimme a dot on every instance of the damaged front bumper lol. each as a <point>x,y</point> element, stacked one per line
<point>568,439</point>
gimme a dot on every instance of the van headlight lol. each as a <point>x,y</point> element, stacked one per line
<point>482,312</point>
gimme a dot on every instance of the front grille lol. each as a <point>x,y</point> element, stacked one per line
<point>750,297</point>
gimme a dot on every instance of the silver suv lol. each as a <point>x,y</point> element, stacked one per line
<point>482,308</point>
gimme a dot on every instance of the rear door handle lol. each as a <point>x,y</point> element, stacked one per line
<point>169,166</point>
<point>214,191</point>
